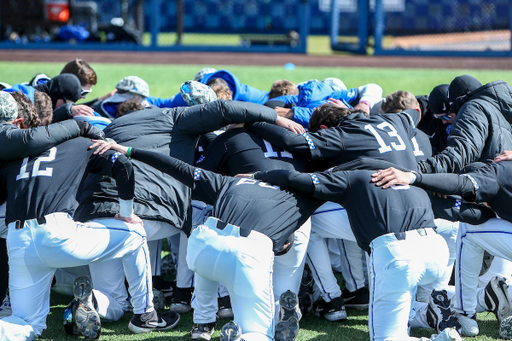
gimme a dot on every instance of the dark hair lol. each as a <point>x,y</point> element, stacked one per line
<point>216,81</point>
<point>82,70</point>
<point>26,110</point>
<point>282,87</point>
<point>43,105</point>
<point>398,101</point>
<point>131,104</point>
<point>328,115</point>
<point>222,92</point>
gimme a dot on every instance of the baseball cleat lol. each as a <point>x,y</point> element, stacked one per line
<point>469,326</point>
<point>289,306</point>
<point>497,299</point>
<point>5,307</point>
<point>203,331</point>
<point>85,316</point>
<point>231,332</point>
<point>359,299</point>
<point>306,291</point>
<point>287,330</point>
<point>180,301</point>
<point>225,311</point>
<point>152,322</point>
<point>158,299</point>
<point>439,313</point>
<point>333,310</point>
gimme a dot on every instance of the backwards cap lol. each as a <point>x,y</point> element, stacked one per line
<point>8,107</point>
<point>195,93</point>
<point>134,85</point>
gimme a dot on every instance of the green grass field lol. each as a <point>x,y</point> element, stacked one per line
<point>164,81</point>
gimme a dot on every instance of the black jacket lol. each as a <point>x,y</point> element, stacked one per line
<point>481,130</point>
<point>173,132</point>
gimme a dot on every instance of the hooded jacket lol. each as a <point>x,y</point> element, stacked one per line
<point>173,132</point>
<point>241,92</point>
<point>481,130</point>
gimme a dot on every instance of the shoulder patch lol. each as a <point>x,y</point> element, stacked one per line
<point>475,184</point>
<point>114,157</point>
<point>314,178</point>
<point>197,174</point>
<point>309,141</point>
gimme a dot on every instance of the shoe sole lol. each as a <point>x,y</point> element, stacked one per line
<point>287,330</point>
<point>440,299</point>
<point>336,316</point>
<point>289,306</point>
<point>231,332</point>
<point>225,314</point>
<point>180,308</point>
<point>138,330</point>
<point>202,336</point>
<point>499,288</point>
<point>87,319</point>
<point>449,334</point>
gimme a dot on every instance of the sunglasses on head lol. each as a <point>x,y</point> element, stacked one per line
<point>445,117</point>
<point>85,92</point>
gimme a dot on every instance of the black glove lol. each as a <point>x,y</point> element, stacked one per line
<point>90,131</point>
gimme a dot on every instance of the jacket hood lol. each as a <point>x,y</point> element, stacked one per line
<point>231,79</point>
<point>499,93</point>
<point>313,91</point>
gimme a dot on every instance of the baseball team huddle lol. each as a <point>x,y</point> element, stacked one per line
<point>262,196</point>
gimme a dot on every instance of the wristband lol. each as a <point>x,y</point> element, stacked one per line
<point>253,174</point>
<point>125,207</point>
<point>128,152</point>
<point>413,177</point>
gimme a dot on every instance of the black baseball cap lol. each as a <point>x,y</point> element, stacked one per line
<point>461,86</point>
<point>438,101</point>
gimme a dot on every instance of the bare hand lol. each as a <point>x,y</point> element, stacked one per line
<point>391,176</point>
<point>505,155</point>
<point>246,175</point>
<point>133,219</point>
<point>336,102</point>
<point>362,106</point>
<point>102,146</point>
<point>82,110</point>
<point>284,112</point>
<point>290,125</point>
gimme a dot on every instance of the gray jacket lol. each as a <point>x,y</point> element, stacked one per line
<point>481,130</point>
<point>173,132</point>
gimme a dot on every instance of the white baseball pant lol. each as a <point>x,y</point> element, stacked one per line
<point>244,266</point>
<point>38,249</point>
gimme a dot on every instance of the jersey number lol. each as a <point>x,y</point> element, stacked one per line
<point>384,148</point>
<point>35,168</point>
<point>271,153</point>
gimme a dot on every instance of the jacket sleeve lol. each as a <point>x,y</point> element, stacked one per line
<point>201,119</point>
<point>63,113</point>
<point>28,142</point>
<point>302,115</point>
<point>466,142</point>
<point>172,102</point>
<point>205,184</point>
<point>455,209</point>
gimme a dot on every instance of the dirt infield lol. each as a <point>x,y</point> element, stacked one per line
<point>210,58</point>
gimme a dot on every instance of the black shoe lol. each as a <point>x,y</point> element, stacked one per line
<point>152,322</point>
<point>225,311</point>
<point>331,311</point>
<point>358,299</point>
<point>85,318</point>
<point>166,287</point>
<point>306,291</point>
<point>203,331</point>
<point>180,301</point>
